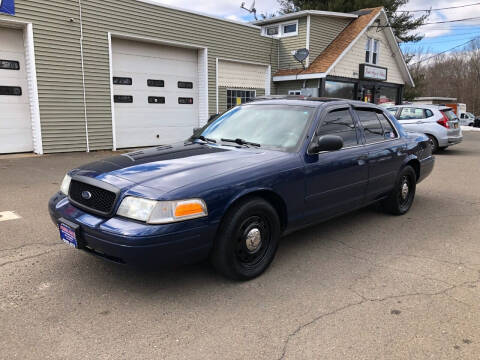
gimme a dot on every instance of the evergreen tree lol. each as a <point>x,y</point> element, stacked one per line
<point>403,23</point>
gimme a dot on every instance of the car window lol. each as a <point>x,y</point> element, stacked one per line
<point>389,131</point>
<point>450,114</point>
<point>428,113</point>
<point>372,127</point>
<point>340,123</point>
<point>392,111</point>
<point>409,113</point>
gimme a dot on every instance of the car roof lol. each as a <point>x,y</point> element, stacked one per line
<point>423,106</point>
<point>308,101</point>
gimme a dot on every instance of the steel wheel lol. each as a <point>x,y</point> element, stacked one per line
<point>403,194</point>
<point>253,239</point>
<point>247,239</point>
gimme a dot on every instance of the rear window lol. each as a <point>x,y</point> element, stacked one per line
<point>392,111</point>
<point>449,114</point>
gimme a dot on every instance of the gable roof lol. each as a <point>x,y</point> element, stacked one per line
<point>324,63</point>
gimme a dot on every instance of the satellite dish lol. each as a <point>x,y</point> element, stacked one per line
<point>301,55</point>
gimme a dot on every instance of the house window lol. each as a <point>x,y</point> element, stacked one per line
<point>238,97</point>
<point>271,30</point>
<point>290,28</point>
<point>294,92</point>
<point>371,51</point>
<point>281,30</point>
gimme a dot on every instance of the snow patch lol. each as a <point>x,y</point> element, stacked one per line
<point>469,128</point>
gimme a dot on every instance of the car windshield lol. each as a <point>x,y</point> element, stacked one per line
<point>450,114</point>
<point>279,127</point>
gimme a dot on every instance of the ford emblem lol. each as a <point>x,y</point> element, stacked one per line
<point>87,195</point>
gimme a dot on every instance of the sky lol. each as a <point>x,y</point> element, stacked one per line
<point>438,37</point>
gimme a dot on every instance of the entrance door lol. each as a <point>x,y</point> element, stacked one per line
<point>368,94</point>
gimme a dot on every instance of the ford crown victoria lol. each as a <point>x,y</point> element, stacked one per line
<point>259,171</point>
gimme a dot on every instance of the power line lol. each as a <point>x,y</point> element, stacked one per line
<point>433,23</point>
<point>438,9</point>
<point>443,52</point>
<point>450,21</point>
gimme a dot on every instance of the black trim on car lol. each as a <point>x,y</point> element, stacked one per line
<point>99,184</point>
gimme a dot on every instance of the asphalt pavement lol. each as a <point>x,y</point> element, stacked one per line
<point>363,286</point>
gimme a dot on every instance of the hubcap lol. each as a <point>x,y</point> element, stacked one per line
<point>253,240</point>
<point>405,190</point>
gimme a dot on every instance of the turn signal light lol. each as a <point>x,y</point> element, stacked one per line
<point>188,209</point>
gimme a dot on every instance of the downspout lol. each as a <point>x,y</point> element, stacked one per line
<point>83,75</point>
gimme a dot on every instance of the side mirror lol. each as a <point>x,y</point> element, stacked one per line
<point>326,143</point>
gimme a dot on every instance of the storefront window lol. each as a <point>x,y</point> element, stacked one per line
<point>342,90</point>
<point>387,96</point>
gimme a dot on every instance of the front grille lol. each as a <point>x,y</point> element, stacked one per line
<point>100,200</point>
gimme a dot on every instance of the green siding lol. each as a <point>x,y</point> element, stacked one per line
<point>222,96</point>
<point>288,44</point>
<point>323,30</point>
<point>58,60</point>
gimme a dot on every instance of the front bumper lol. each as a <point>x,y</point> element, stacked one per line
<point>130,242</point>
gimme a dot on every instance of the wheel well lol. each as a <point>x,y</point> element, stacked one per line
<point>432,136</point>
<point>274,199</point>
<point>415,164</point>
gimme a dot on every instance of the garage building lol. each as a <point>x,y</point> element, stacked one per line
<point>83,75</point>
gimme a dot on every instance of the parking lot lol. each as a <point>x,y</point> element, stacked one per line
<point>363,286</point>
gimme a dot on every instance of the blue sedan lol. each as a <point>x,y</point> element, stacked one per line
<point>259,171</point>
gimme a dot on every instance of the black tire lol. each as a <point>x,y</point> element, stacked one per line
<point>235,254</point>
<point>471,124</point>
<point>434,143</point>
<point>401,198</point>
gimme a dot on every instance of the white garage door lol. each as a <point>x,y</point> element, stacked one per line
<point>155,93</point>
<point>15,123</point>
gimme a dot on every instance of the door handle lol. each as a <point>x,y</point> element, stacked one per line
<point>362,160</point>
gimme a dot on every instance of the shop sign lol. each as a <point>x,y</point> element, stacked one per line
<point>370,72</point>
<point>7,7</point>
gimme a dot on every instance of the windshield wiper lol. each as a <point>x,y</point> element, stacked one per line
<point>203,138</point>
<point>241,142</point>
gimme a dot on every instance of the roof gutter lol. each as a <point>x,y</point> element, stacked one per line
<point>299,77</point>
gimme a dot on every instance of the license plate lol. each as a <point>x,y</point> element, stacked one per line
<point>68,235</point>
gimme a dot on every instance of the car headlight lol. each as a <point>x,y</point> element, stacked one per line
<point>65,187</point>
<point>161,212</point>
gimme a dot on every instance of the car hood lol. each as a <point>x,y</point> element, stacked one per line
<point>166,168</point>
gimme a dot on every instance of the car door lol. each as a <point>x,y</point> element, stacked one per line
<point>336,181</point>
<point>386,151</point>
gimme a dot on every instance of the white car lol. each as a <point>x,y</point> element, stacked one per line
<point>467,119</point>
<point>439,123</point>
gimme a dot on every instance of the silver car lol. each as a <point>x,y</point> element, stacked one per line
<point>439,123</point>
